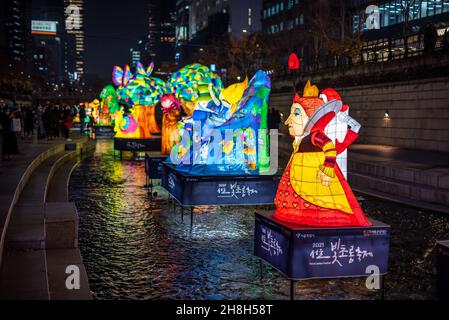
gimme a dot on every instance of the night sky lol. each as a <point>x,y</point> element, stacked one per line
<point>111,29</point>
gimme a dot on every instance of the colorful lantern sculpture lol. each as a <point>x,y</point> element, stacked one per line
<point>189,82</point>
<point>338,131</point>
<point>92,111</point>
<point>171,110</point>
<point>313,191</point>
<point>95,106</point>
<point>234,116</point>
<point>139,94</point>
<point>109,97</point>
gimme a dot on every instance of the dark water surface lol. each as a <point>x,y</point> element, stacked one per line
<point>137,249</point>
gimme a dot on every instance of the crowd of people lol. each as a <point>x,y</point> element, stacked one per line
<point>29,121</point>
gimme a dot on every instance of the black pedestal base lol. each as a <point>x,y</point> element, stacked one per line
<point>104,132</point>
<point>301,253</point>
<point>197,190</point>
<point>125,144</point>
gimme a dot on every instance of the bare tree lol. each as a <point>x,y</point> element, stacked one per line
<point>407,16</point>
<point>328,24</point>
<point>240,56</point>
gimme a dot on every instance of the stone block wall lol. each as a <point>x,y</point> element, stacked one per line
<point>418,112</point>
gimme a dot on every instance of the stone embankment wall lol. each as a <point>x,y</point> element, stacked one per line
<point>407,114</point>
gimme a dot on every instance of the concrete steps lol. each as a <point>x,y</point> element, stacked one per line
<point>421,174</point>
<point>24,276</point>
<point>62,221</point>
<point>413,194</point>
<point>27,227</point>
<point>61,225</point>
<point>57,262</point>
<point>58,186</point>
<point>42,236</point>
<point>25,264</point>
<point>15,176</point>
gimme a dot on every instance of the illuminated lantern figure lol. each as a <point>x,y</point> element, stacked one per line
<point>109,105</point>
<point>141,93</point>
<point>171,110</point>
<point>338,131</point>
<point>189,82</point>
<point>236,114</point>
<point>126,124</point>
<point>313,191</point>
<point>220,109</point>
<point>109,97</point>
<point>94,108</point>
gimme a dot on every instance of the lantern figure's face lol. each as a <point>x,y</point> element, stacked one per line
<point>297,120</point>
<point>166,103</point>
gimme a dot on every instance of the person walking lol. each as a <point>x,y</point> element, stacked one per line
<point>270,119</point>
<point>82,114</point>
<point>67,124</point>
<point>430,38</point>
<point>54,121</point>
<point>446,40</point>
<point>90,126</point>
<point>276,119</point>
<point>40,122</point>
<point>29,121</point>
<point>18,121</point>
<point>47,122</point>
<point>9,145</point>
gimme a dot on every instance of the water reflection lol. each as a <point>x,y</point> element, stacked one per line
<point>137,249</point>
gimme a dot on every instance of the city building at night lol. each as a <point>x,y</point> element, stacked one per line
<point>182,20</point>
<point>74,26</point>
<point>244,16</point>
<point>48,40</point>
<point>203,22</point>
<point>392,15</point>
<point>135,56</point>
<point>4,52</point>
<point>306,27</point>
<point>396,21</point>
<point>15,31</point>
<point>153,30</point>
<point>159,45</point>
<point>182,27</point>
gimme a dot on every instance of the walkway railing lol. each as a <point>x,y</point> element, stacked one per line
<point>376,51</point>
